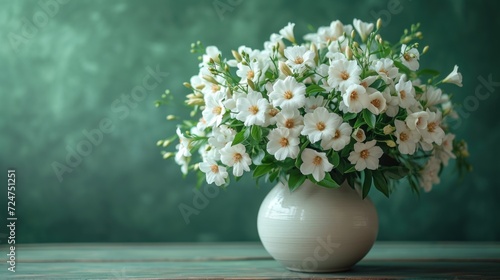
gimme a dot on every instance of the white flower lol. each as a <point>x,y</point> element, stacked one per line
<point>407,139</point>
<point>236,157</point>
<point>445,151</point>
<point>434,96</point>
<point>255,72</point>
<point>406,92</point>
<point>355,98</point>
<point>340,139</point>
<point>343,73</point>
<point>283,143</point>
<point>454,77</point>
<point>288,93</point>
<point>313,102</point>
<point>386,69</point>
<point>214,173</point>
<point>365,155</point>
<point>221,135</point>
<point>252,109</point>
<point>315,163</point>
<point>320,124</point>
<point>430,174</point>
<point>184,147</point>
<point>417,120</point>
<point>359,135</point>
<point>363,28</point>
<point>392,103</point>
<point>211,52</point>
<point>327,34</point>
<point>299,58</point>
<point>433,133</point>
<point>290,119</point>
<point>287,32</point>
<point>410,57</point>
<point>376,103</point>
<point>183,161</point>
<point>214,108</point>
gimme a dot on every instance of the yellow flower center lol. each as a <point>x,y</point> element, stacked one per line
<point>344,75</point>
<point>214,168</point>
<point>403,94</point>
<point>337,134</point>
<point>317,160</point>
<point>217,110</point>
<point>376,103</point>
<point>364,154</point>
<point>403,136</point>
<point>353,96</point>
<point>320,126</point>
<point>288,94</point>
<point>290,123</point>
<point>237,157</point>
<point>253,109</point>
<point>431,127</point>
<point>250,74</point>
<point>299,60</point>
<point>284,142</point>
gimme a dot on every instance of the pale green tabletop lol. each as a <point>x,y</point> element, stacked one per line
<point>387,260</point>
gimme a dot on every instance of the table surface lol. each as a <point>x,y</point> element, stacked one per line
<point>386,260</point>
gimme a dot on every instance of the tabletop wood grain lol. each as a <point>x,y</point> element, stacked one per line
<point>386,260</point>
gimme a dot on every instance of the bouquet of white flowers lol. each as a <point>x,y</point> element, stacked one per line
<point>343,105</point>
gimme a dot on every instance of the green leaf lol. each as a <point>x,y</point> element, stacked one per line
<point>328,182</point>
<point>395,172</point>
<point>369,118</point>
<point>418,89</point>
<point>349,116</point>
<point>350,169</point>
<point>274,175</point>
<point>296,179</point>
<point>256,132</point>
<point>381,183</point>
<point>359,122</point>
<point>428,72</point>
<point>337,176</point>
<point>262,170</point>
<point>314,89</point>
<point>335,159</point>
<point>367,183</point>
<point>239,137</point>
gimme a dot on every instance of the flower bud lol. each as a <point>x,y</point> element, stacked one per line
<point>209,79</point>
<point>390,143</point>
<point>159,143</point>
<point>251,84</point>
<point>171,117</point>
<point>388,129</point>
<point>236,55</point>
<point>166,143</point>
<point>188,85</point>
<point>348,52</point>
<point>285,69</point>
<point>426,49</point>
<point>379,23</point>
<point>353,34</point>
<point>168,155</point>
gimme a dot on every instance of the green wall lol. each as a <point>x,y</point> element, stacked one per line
<point>69,70</point>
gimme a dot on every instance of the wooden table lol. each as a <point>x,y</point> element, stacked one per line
<point>243,261</point>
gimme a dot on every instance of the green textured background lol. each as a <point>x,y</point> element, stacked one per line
<point>71,72</point>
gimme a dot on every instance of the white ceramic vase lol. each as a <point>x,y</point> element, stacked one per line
<point>316,229</point>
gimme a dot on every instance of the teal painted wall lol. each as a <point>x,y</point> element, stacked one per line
<point>68,70</point>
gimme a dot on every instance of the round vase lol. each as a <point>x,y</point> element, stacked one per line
<point>317,229</point>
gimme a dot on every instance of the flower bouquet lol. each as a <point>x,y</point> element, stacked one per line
<point>344,105</point>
